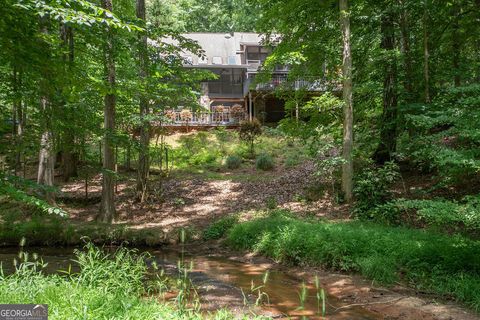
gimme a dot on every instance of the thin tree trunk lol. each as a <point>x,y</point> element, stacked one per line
<point>107,209</point>
<point>426,54</point>
<point>17,118</point>
<point>46,163</point>
<point>477,60</point>
<point>388,131</point>
<point>143,167</point>
<point>347,167</point>
<point>405,31</point>
<point>456,46</point>
<point>128,158</point>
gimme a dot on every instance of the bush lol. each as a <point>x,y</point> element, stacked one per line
<point>444,264</point>
<point>264,162</point>
<point>249,131</point>
<point>219,228</point>
<point>372,188</point>
<point>443,136</point>
<point>441,214</point>
<point>233,162</point>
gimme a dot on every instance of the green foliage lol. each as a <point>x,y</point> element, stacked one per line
<point>444,136</point>
<point>205,15</point>
<point>373,188</point>
<point>440,214</point>
<point>271,203</point>
<point>233,162</point>
<point>249,131</point>
<point>108,286</point>
<point>446,265</point>
<point>264,162</point>
<point>219,228</point>
<point>14,188</point>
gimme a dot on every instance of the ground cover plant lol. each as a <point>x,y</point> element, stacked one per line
<point>212,151</point>
<point>446,265</point>
<point>107,286</point>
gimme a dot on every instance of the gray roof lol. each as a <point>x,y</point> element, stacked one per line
<point>221,49</point>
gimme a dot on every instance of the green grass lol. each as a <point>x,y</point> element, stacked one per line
<point>108,286</point>
<point>208,151</point>
<point>219,228</point>
<point>445,265</point>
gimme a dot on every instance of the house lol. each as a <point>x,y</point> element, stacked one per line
<point>236,59</point>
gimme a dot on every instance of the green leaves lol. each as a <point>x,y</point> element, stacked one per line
<point>76,12</point>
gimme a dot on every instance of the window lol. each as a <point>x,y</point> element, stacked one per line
<point>257,53</point>
<point>217,60</point>
<point>232,60</point>
<point>229,82</point>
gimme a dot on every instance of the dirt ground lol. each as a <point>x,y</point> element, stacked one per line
<point>196,200</point>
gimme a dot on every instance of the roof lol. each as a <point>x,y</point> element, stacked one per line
<point>221,49</point>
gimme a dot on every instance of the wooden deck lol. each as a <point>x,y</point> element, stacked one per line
<point>203,119</point>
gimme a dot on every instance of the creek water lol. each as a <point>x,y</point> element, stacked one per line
<point>280,294</point>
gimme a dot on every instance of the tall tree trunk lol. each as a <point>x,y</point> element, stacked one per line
<point>347,166</point>
<point>17,118</point>
<point>477,60</point>
<point>407,55</point>
<point>144,157</point>
<point>69,156</point>
<point>456,46</point>
<point>388,131</point>
<point>107,209</point>
<point>426,54</point>
<point>46,163</point>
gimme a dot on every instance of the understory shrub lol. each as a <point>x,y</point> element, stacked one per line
<point>233,162</point>
<point>249,131</point>
<point>447,265</point>
<point>264,162</point>
<point>443,136</point>
<point>450,216</point>
<point>219,228</point>
<point>373,188</point>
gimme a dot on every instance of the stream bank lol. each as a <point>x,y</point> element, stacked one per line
<point>224,279</point>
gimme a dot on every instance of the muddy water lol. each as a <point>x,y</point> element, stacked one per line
<point>281,292</point>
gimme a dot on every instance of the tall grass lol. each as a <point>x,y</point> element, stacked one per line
<point>108,286</point>
<point>446,265</point>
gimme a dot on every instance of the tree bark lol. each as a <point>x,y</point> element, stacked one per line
<point>407,54</point>
<point>107,208</point>
<point>347,166</point>
<point>69,156</point>
<point>426,54</point>
<point>46,163</point>
<point>18,118</point>
<point>388,131</point>
<point>477,61</point>
<point>456,46</point>
<point>143,169</point>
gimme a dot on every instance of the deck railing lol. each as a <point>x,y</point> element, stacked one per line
<point>281,80</point>
<point>204,118</point>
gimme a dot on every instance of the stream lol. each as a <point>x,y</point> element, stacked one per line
<point>226,283</point>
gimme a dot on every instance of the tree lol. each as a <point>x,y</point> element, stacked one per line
<point>46,162</point>
<point>144,157</point>
<point>388,131</point>
<point>347,167</point>
<point>107,208</point>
